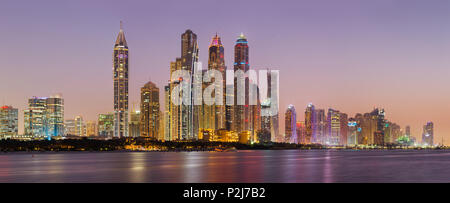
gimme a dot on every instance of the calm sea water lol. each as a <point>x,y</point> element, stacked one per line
<point>242,166</point>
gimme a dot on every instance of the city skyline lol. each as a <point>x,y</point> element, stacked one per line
<point>389,93</point>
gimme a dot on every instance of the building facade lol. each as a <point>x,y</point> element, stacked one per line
<point>91,129</point>
<point>333,127</point>
<point>120,77</point>
<point>310,122</point>
<point>150,112</point>
<point>8,122</point>
<point>106,125</point>
<point>216,61</point>
<point>135,123</point>
<point>290,118</point>
<point>55,115</point>
<point>80,127</point>
<point>242,110</point>
<point>428,134</point>
<point>44,117</point>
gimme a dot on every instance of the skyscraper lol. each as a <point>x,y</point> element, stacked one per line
<point>309,123</point>
<point>106,125</point>
<point>301,131</point>
<point>55,116</point>
<point>270,122</point>
<point>168,122</point>
<point>69,127</point>
<point>8,122</point>
<point>216,61</point>
<point>319,126</point>
<point>428,134</point>
<point>352,135</point>
<point>408,131</point>
<point>120,73</point>
<point>333,127</point>
<point>378,116</point>
<point>91,129</point>
<point>35,120</point>
<point>150,111</point>
<point>80,127</point>
<point>242,114</point>
<point>229,109</point>
<point>183,121</point>
<point>344,129</point>
<point>290,118</point>
<point>135,123</point>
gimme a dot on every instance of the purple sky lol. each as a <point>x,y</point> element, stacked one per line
<point>351,55</point>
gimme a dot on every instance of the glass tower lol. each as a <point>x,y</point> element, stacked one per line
<point>120,72</point>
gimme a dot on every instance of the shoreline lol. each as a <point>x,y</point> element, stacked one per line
<point>209,151</point>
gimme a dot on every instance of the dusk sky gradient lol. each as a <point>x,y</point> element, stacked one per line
<point>351,55</point>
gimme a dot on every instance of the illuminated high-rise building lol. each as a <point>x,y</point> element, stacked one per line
<point>378,116</point>
<point>371,130</point>
<point>183,119</point>
<point>368,129</point>
<point>150,111</point>
<point>392,132</point>
<point>168,122</point>
<point>270,122</point>
<point>309,123</point>
<point>80,127</point>
<point>428,134</point>
<point>8,122</point>
<point>120,73</point>
<point>91,129</point>
<point>44,117</point>
<point>173,121</point>
<point>189,56</point>
<point>216,61</point>
<point>55,116</point>
<point>290,126</point>
<point>319,126</point>
<point>135,123</point>
<point>352,132</point>
<point>35,117</point>
<point>69,127</point>
<point>408,131</point>
<point>359,122</point>
<point>106,125</point>
<point>344,129</point>
<point>229,109</point>
<point>301,132</point>
<point>333,127</point>
<point>242,112</point>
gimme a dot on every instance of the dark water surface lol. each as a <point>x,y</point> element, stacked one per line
<point>242,166</point>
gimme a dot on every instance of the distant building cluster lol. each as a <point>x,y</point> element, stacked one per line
<point>335,128</point>
<point>217,122</point>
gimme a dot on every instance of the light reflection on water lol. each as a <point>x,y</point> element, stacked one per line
<point>246,166</point>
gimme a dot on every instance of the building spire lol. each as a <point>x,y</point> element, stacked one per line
<point>242,36</point>
<point>121,41</point>
<point>216,41</point>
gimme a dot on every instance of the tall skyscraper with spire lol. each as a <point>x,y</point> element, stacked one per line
<point>120,73</point>
<point>216,61</point>
<point>241,62</point>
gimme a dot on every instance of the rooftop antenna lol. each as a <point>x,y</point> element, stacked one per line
<point>121,25</point>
